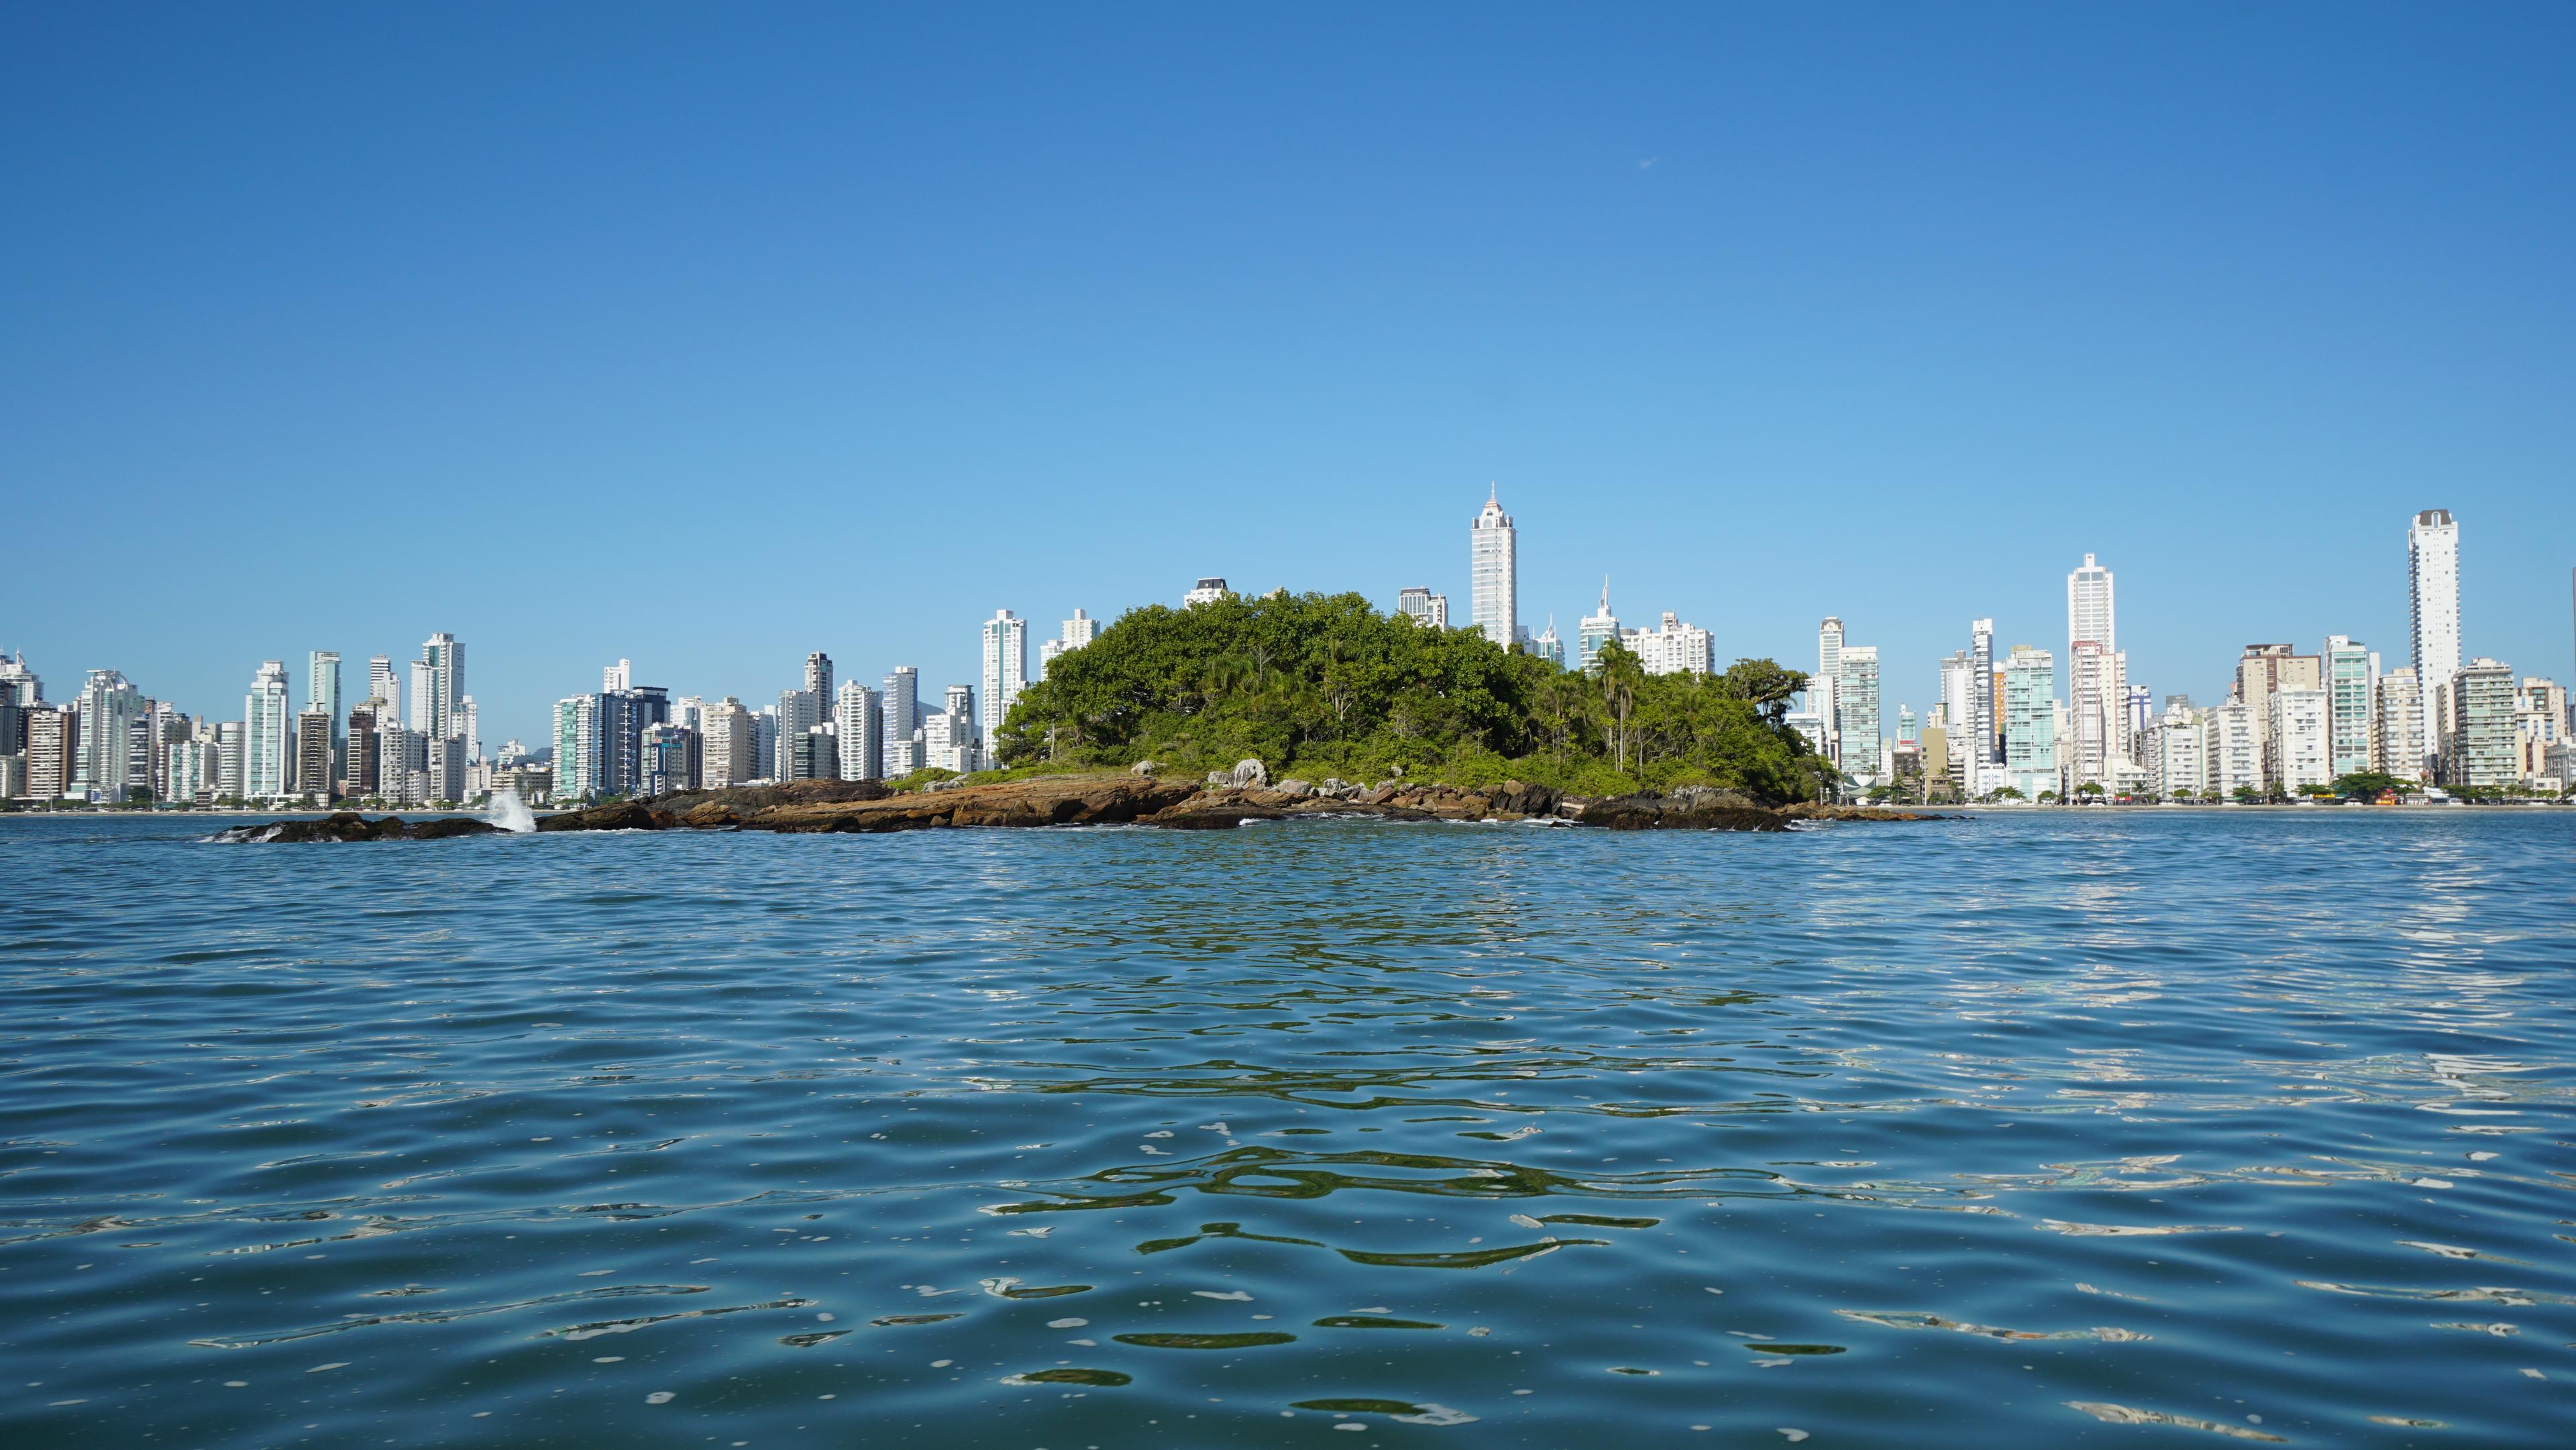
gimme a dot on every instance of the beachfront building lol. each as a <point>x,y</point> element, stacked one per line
<point>265,761</point>
<point>2433,600</point>
<point>2398,746</point>
<point>2296,753</point>
<point>900,750</point>
<point>2030,722</point>
<point>102,763</point>
<point>2351,674</point>
<point>2231,751</point>
<point>2477,740</point>
<point>2175,746</point>
<point>1858,728</point>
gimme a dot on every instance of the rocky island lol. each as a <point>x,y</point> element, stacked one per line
<point>1135,798</point>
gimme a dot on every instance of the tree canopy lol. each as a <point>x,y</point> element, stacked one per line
<point>1320,685</point>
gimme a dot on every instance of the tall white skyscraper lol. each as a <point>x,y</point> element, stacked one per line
<point>102,760</point>
<point>616,677</point>
<point>1006,669</point>
<point>383,684</point>
<point>423,691</point>
<point>2433,590</point>
<point>265,715</point>
<point>2097,703</point>
<point>1981,692</point>
<point>469,728</point>
<point>445,656</point>
<point>900,753</point>
<point>858,718</point>
<point>1078,631</point>
<point>1824,692</point>
<point>1494,574</point>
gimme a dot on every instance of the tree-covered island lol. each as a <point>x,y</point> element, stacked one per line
<point>1320,685</point>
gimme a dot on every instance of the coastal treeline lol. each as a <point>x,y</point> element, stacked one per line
<point>1323,685</point>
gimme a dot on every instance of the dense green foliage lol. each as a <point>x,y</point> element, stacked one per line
<point>1318,685</point>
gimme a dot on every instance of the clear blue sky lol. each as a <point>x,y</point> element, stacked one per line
<point>712,335</point>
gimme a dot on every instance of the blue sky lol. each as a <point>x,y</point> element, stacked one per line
<point>709,336</point>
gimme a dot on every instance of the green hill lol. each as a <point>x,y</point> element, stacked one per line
<point>1323,685</point>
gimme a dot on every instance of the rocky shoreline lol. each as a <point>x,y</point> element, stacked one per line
<point>1219,803</point>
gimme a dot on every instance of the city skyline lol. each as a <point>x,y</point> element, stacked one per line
<point>1766,317</point>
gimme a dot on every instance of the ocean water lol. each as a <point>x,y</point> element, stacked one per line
<point>2100,1129</point>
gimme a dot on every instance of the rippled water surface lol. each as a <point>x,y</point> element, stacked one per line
<point>2110,1129</point>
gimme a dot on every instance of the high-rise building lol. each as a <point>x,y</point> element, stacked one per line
<point>578,756</point>
<point>901,746</point>
<point>818,674</point>
<point>2539,727</point>
<point>445,656</point>
<point>963,738</point>
<point>1673,649</point>
<point>383,684</point>
<point>184,773</point>
<point>1548,646</point>
<point>469,727</point>
<point>14,672</point>
<point>230,763</point>
<point>2097,690</point>
<point>1423,607</point>
<point>2433,598</point>
<point>2231,751</point>
<point>2266,668</point>
<point>423,692</point>
<point>1596,630</point>
<point>2398,744</point>
<point>619,676</point>
<point>361,772</point>
<point>729,745</point>
<point>1075,633</point>
<point>265,746</point>
<point>1207,591</point>
<point>1824,688</point>
<point>811,755</point>
<point>313,730</point>
<point>672,759</point>
<point>322,692</point>
<point>53,747</point>
<point>1982,743</point>
<point>1858,724</point>
<point>858,720</point>
<point>2297,749</point>
<point>2350,716</point>
<point>2030,721</point>
<point>2477,743</point>
<point>103,765</point>
<point>1006,671</point>
<point>2175,762</point>
<point>798,712</point>
<point>1494,590</point>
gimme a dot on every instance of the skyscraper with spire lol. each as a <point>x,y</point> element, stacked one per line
<point>1494,574</point>
<point>1596,630</point>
